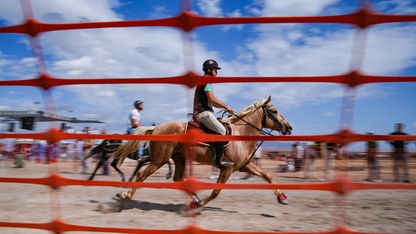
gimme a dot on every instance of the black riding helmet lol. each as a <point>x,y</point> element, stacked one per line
<point>137,102</point>
<point>210,63</point>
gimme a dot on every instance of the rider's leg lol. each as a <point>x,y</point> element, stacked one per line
<point>208,119</point>
<point>219,152</point>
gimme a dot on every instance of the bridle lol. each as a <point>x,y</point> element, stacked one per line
<point>266,114</point>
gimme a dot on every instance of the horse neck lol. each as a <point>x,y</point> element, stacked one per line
<point>254,118</point>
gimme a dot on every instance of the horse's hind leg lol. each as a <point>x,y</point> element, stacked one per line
<point>136,170</point>
<point>150,169</point>
<point>169,174</point>
<point>255,170</point>
<point>114,165</point>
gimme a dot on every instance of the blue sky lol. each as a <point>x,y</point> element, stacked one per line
<point>241,50</point>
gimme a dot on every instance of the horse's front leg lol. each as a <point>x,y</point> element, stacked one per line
<point>255,170</point>
<point>225,174</point>
<point>99,165</point>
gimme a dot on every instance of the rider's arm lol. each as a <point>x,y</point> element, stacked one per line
<point>217,103</point>
<point>135,123</point>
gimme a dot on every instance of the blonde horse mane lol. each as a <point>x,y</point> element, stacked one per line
<point>246,111</point>
<point>133,145</point>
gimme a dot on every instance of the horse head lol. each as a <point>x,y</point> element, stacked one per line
<point>274,120</point>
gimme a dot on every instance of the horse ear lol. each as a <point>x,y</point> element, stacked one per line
<point>269,99</point>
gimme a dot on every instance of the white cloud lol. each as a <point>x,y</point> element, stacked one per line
<point>16,68</point>
<point>235,13</point>
<point>210,7</point>
<point>294,7</point>
<point>390,49</point>
<point>11,12</point>
<point>75,11</point>
<point>396,6</point>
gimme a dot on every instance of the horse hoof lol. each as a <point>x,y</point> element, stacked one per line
<point>193,209</point>
<point>122,195</point>
<point>193,205</point>
<point>168,176</point>
<point>282,199</point>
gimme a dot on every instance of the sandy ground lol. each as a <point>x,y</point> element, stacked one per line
<point>233,210</point>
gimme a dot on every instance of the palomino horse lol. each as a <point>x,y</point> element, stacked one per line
<point>250,121</point>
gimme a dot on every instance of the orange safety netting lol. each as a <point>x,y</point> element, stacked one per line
<point>188,21</point>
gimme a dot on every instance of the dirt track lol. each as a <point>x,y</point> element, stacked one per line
<point>233,210</point>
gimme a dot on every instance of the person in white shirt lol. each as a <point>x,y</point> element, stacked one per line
<point>134,121</point>
<point>8,146</point>
<point>135,117</point>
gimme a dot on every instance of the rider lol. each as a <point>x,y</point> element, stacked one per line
<point>134,122</point>
<point>134,116</point>
<point>204,100</point>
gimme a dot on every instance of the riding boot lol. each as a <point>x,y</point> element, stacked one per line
<point>219,157</point>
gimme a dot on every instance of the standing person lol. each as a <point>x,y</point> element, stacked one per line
<point>20,157</point>
<point>329,151</point>
<point>204,101</point>
<point>256,161</point>
<point>399,155</point>
<point>106,168</point>
<point>72,145</point>
<point>8,147</point>
<point>372,161</point>
<point>297,154</point>
<point>257,156</point>
<point>86,148</point>
<point>312,152</point>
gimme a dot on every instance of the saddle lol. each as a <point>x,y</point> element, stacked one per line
<point>195,124</point>
<point>110,146</point>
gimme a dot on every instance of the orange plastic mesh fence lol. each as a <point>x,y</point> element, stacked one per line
<point>187,21</point>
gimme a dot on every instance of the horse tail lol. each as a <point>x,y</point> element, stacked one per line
<point>132,146</point>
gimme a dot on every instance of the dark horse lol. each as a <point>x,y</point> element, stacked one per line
<point>106,150</point>
<point>250,121</point>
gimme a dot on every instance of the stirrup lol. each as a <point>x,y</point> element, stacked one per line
<point>224,162</point>
<point>143,158</point>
